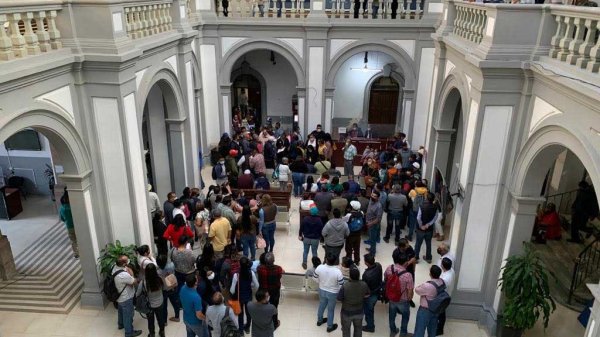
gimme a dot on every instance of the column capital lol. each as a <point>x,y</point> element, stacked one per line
<point>77,182</point>
<point>444,135</point>
<point>301,92</point>
<point>525,205</point>
<point>329,92</point>
<point>175,121</point>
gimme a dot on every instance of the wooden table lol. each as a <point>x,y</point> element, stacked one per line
<point>10,205</point>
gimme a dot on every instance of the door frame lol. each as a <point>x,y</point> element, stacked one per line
<point>367,96</point>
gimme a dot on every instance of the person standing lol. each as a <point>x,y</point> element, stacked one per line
<point>356,221</point>
<point>373,276</point>
<point>219,233</point>
<point>177,229</point>
<point>373,219</point>
<point>266,221</point>
<point>399,291</point>
<point>159,228</point>
<point>352,295</point>
<point>67,217</point>
<point>396,202</point>
<point>426,319</point>
<point>263,314</point>
<point>248,224</point>
<point>283,170</point>
<point>448,278</point>
<point>349,154</point>
<point>154,200</point>
<point>426,219</point>
<point>183,261</point>
<point>168,207</point>
<point>152,285</point>
<point>216,312</point>
<point>241,289</point>
<point>257,162</point>
<point>192,308</point>
<point>584,208</point>
<point>330,280</point>
<point>335,233</point>
<point>269,278</point>
<point>125,283</point>
<point>299,171</point>
<point>166,268</point>
<point>310,234</point>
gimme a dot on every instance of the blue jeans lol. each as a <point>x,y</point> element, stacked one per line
<point>412,224</point>
<point>394,221</point>
<point>403,309</point>
<point>326,299</point>
<point>173,297</point>
<point>268,232</point>
<point>249,245</point>
<point>374,237</point>
<point>425,320</point>
<point>312,244</point>
<point>298,180</point>
<point>375,10</point>
<point>196,330</point>
<point>427,236</point>
<point>369,308</point>
<point>125,319</point>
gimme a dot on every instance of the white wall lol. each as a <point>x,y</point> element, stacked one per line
<point>350,85</point>
<point>280,80</point>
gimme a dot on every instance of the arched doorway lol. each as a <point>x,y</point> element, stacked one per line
<point>247,94</point>
<point>384,95</point>
<point>57,294</point>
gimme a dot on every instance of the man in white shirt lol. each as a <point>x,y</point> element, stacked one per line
<point>444,251</point>
<point>125,284</point>
<point>448,277</point>
<point>216,312</point>
<point>330,280</point>
<point>154,200</point>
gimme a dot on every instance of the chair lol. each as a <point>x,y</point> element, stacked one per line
<point>283,217</point>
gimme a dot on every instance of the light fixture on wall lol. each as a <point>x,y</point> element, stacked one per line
<point>365,68</point>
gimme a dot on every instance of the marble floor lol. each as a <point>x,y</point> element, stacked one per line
<point>297,309</point>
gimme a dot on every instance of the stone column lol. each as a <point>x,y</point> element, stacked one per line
<point>210,91</point>
<point>176,132</point>
<point>329,108</point>
<point>407,112</point>
<point>79,187</point>
<point>523,211</point>
<point>302,112</point>
<point>159,146</point>
<point>225,118</point>
<point>593,329</point>
<point>441,153</point>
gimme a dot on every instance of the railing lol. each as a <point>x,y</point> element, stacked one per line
<point>28,32</point>
<point>470,21</point>
<point>576,39</point>
<point>343,9</point>
<point>587,265</point>
<point>148,19</point>
<point>563,201</point>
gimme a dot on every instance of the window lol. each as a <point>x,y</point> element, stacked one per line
<point>26,140</point>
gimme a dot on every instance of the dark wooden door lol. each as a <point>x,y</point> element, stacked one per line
<point>383,106</point>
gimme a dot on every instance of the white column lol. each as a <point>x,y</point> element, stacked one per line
<point>136,165</point>
<point>208,65</point>
<point>302,113</point>
<point>329,109</point>
<point>593,329</point>
<point>159,145</point>
<point>314,97</point>
<point>113,168</point>
<point>487,184</point>
<point>407,113</point>
<point>225,116</point>
<point>419,130</point>
<point>192,125</point>
<point>179,165</point>
<point>469,142</point>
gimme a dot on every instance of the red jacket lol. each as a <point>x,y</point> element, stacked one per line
<point>173,234</point>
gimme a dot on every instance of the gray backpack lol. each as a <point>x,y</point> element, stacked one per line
<point>228,328</point>
<point>441,301</point>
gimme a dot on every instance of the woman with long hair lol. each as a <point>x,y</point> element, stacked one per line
<point>159,228</point>
<point>247,281</point>
<point>166,268</point>
<point>310,185</point>
<point>247,224</point>
<point>266,223</point>
<point>152,285</point>
<point>177,229</point>
<point>184,261</point>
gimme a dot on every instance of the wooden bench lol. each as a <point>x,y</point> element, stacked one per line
<point>280,198</point>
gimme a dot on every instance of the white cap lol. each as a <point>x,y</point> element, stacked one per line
<point>247,172</point>
<point>355,205</point>
<point>416,165</point>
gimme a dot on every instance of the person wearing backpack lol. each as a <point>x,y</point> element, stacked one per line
<point>434,299</point>
<point>398,291</point>
<point>448,277</point>
<point>125,282</point>
<point>219,173</point>
<point>426,217</point>
<point>152,287</point>
<point>356,222</point>
<point>417,197</point>
<point>220,319</point>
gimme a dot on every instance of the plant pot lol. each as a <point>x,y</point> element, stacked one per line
<point>505,331</point>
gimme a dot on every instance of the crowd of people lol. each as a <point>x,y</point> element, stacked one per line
<point>215,289</point>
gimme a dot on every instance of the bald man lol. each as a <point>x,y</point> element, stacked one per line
<point>444,251</point>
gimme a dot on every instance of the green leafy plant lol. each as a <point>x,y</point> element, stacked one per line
<point>524,283</point>
<point>110,254</point>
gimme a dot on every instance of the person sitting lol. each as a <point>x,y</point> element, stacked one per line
<point>549,220</point>
<point>246,180</point>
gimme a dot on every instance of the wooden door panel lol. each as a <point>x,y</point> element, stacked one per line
<point>383,106</point>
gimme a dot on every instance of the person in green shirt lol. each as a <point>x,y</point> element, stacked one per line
<point>67,217</point>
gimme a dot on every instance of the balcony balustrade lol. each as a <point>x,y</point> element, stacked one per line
<point>576,39</point>
<point>470,21</point>
<point>148,18</point>
<point>28,29</point>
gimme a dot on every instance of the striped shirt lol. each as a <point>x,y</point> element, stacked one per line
<point>350,152</point>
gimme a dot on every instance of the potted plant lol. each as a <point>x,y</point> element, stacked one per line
<point>110,254</point>
<point>524,283</point>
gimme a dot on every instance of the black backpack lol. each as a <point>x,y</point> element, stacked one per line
<point>228,328</point>
<point>110,288</point>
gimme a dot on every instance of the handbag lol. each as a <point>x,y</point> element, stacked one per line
<point>170,281</point>
<point>260,243</point>
<point>275,174</point>
<point>235,305</point>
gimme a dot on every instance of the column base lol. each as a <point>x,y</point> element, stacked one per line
<point>93,300</point>
<point>8,270</point>
<point>480,313</point>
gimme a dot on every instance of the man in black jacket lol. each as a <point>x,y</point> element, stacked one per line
<point>426,217</point>
<point>373,276</point>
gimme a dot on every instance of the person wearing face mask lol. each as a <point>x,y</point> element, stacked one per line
<point>125,283</point>
<point>355,131</point>
<point>219,172</point>
<point>318,133</point>
<point>350,152</point>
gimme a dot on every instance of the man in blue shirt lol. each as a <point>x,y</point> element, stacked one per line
<point>192,308</point>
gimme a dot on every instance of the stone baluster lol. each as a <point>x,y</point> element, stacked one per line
<point>18,41</point>
<point>470,24</point>
<point>168,17</point>
<point>481,23</point>
<point>456,24</point>
<point>464,23</point>
<point>188,7</point>
<point>561,26</point>
<point>477,32</point>
<point>129,26</point>
<point>156,18</point>
<point>146,9</point>
<point>31,40</point>
<point>460,22</point>
<point>54,33</point>
<point>587,45</point>
<point>42,35</point>
<point>161,21</point>
<point>594,62</point>
<point>566,39</point>
<point>6,52</point>
<point>150,20</point>
<point>369,9</point>
<point>577,41</point>
<point>139,27</point>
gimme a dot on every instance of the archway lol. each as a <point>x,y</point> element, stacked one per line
<point>249,82</point>
<point>59,295</point>
<point>383,110</point>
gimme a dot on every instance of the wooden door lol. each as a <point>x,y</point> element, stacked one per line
<point>383,106</point>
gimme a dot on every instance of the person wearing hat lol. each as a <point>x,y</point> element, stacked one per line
<point>246,180</point>
<point>355,220</point>
<point>310,234</point>
<point>154,201</point>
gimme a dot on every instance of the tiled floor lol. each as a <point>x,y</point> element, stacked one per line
<point>297,309</point>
